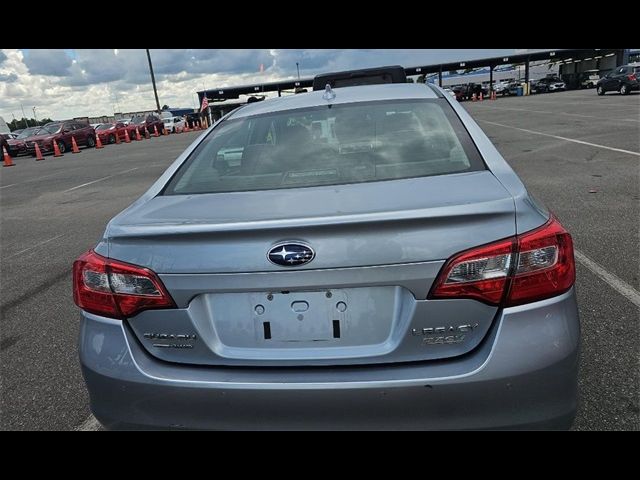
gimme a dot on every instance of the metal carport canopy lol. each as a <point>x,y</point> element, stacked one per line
<point>220,94</point>
<point>553,55</point>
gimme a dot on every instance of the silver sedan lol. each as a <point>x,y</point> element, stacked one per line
<point>355,258</point>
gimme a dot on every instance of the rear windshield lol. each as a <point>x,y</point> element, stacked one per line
<point>28,132</point>
<point>104,126</point>
<point>329,145</point>
<point>53,128</point>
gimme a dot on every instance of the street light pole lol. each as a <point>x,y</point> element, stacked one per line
<point>24,117</point>
<point>34,115</point>
<point>298,68</point>
<point>153,81</point>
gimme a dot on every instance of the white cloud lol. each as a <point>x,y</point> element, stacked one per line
<point>98,82</point>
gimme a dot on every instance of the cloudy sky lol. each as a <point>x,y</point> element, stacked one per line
<point>69,83</point>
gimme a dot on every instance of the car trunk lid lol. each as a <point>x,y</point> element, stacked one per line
<point>361,300</point>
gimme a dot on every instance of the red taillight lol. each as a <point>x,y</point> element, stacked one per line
<point>116,289</point>
<point>529,267</point>
<point>480,273</point>
<point>546,266</point>
<point>632,77</point>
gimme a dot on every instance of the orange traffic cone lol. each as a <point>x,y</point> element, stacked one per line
<point>206,123</point>
<point>98,142</point>
<point>74,145</point>
<point>146,134</point>
<point>8,162</point>
<point>473,97</point>
<point>138,137</point>
<point>56,150</point>
<point>38,152</point>
<point>155,131</point>
<point>186,126</point>
<point>127,139</point>
<point>480,96</point>
<point>118,137</point>
<point>165,131</point>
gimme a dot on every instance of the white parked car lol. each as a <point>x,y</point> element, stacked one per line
<point>589,78</point>
<point>173,123</point>
<point>450,92</point>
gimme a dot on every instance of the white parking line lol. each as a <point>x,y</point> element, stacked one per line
<point>35,246</point>
<point>599,104</point>
<point>615,282</point>
<point>563,113</point>
<point>34,180</point>
<point>637,154</point>
<point>89,425</point>
<point>99,180</point>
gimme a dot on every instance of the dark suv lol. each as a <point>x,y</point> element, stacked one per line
<point>61,133</point>
<point>146,123</point>
<point>466,91</point>
<point>622,79</point>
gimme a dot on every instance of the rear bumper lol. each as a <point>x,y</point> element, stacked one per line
<point>524,375</point>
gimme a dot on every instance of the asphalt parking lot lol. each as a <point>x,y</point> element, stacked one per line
<point>575,151</point>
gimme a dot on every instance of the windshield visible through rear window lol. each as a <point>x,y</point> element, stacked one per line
<point>53,128</point>
<point>347,143</point>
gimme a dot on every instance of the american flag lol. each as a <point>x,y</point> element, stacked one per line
<point>205,103</point>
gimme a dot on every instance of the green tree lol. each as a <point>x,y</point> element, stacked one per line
<point>16,124</point>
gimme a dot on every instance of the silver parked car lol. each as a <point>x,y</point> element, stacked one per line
<point>385,269</point>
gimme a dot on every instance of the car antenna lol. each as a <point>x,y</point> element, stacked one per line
<point>328,93</point>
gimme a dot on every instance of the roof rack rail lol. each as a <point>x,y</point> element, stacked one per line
<point>435,90</point>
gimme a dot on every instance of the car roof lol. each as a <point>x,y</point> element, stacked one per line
<point>364,93</point>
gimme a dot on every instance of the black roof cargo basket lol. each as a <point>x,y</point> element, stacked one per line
<point>365,76</point>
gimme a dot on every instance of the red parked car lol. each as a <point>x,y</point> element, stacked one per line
<point>147,123</point>
<point>3,142</point>
<point>61,133</point>
<point>18,146</point>
<point>109,131</point>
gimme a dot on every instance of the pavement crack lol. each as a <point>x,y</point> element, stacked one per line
<point>8,342</point>
<point>31,293</point>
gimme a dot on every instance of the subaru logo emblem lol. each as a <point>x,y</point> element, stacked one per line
<point>291,254</point>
